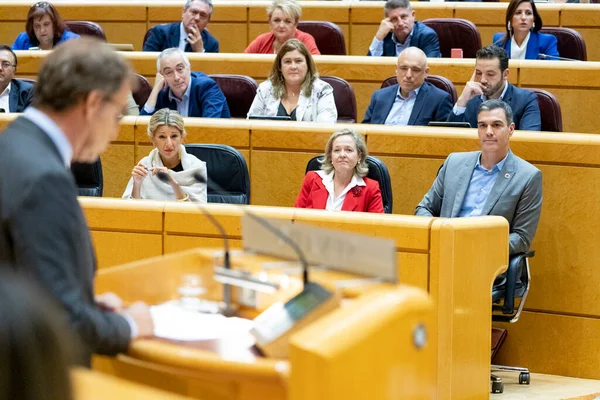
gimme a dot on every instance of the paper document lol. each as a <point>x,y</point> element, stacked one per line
<point>173,322</point>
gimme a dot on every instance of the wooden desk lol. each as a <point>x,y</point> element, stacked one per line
<point>436,255</point>
<point>575,85</point>
<point>91,385</point>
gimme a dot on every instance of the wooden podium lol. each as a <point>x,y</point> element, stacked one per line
<point>376,345</point>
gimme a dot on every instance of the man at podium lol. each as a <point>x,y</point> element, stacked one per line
<point>81,92</point>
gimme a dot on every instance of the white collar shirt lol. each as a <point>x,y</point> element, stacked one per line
<point>518,52</point>
<point>49,127</point>
<point>333,203</point>
<point>4,97</point>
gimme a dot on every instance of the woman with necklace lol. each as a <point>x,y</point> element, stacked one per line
<point>294,88</point>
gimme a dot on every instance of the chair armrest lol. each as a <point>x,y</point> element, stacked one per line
<point>513,273</point>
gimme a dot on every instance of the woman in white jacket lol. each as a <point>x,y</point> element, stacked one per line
<point>294,88</point>
<point>167,132</point>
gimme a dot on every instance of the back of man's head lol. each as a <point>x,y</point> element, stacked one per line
<point>393,4</point>
<point>494,104</point>
<point>491,52</point>
<point>74,69</point>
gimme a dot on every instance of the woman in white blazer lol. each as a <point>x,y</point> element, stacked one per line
<point>294,88</point>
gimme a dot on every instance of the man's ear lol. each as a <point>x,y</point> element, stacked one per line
<point>511,129</point>
<point>93,102</point>
<point>506,73</point>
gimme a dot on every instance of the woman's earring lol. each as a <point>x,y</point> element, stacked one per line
<point>533,25</point>
<point>508,26</point>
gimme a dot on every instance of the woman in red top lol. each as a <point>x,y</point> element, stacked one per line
<point>341,184</point>
<point>283,20</point>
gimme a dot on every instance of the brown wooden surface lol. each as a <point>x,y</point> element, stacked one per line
<point>575,85</point>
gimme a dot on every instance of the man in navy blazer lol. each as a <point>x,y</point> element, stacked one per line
<point>15,95</point>
<point>490,81</point>
<point>192,94</point>
<point>189,35</point>
<point>412,101</point>
<point>399,30</point>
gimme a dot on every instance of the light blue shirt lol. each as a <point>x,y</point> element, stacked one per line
<point>461,110</point>
<point>53,131</point>
<point>183,105</point>
<point>376,48</point>
<point>182,37</point>
<point>482,182</point>
<point>402,108</point>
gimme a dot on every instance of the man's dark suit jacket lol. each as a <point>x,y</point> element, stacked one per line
<point>206,99</point>
<point>524,105</point>
<point>165,36</point>
<point>423,37</point>
<point>432,104</point>
<point>44,234</point>
<point>21,94</point>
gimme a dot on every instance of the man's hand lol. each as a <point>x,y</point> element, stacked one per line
<point>109,302</point>
<point>384,28</point>
<point>472,88</point>
<point>194,38</point>
<point>140,313</point>
<point>159,83</point>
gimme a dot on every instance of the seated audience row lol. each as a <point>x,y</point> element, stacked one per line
<point>15,94</point>
<point>397,31</point>
<point>492,181</point>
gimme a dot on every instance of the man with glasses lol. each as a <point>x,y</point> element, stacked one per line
<point>81,92</point>
<point>15,95</point>
<point>399,30</point>
<point>192,94</point>
<point>189,35</point>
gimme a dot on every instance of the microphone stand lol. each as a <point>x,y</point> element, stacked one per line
<point>267,225</point>
<point>228,311</point>
<point>548,57</point>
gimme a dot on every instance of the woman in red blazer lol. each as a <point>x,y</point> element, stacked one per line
<point>341,184</point>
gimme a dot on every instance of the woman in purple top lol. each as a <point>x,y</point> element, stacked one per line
<point>44,29</point>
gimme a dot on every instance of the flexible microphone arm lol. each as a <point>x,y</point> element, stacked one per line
<point>164,177</point>
<point>267,225</point>
<point>548,57</point>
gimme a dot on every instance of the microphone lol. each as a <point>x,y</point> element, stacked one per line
<point>548,57</point>
<point>268,226</point>
<point>164,177</point>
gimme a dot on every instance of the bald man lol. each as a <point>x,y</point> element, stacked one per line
<point>412,101</point>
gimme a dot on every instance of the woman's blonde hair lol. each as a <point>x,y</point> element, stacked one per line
<point>167,117</point>
<point>361,169</point>
<point>289,7</point>
<point>276,77</point>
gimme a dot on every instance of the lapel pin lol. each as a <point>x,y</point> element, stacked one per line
<point>507,175</point>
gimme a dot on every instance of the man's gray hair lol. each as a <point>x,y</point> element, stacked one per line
<point>490,105</point>
<point>76,68</point>
<point>168,53</point>
<point>393,4</point>
<point>188,3</point>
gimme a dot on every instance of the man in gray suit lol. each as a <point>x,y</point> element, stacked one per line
<point>492,181</point>
<point>81,92</point>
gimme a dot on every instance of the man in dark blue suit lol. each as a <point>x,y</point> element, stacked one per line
<point>490,81</point>
<point>15,95</point>
<point>399,30</point>
<point>412,101</point>
<point>189,35</point>
<point>192,94</point>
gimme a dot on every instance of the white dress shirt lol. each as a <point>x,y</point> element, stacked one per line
<point>336,203</point>
<point>402,108</point>
<point>4,97</point>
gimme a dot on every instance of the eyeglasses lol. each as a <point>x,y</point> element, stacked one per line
<point>6,64</point>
